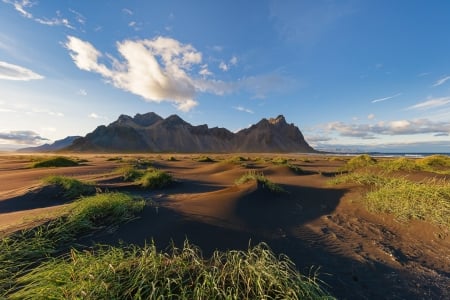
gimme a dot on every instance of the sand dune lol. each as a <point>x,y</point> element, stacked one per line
<point>368,255</point>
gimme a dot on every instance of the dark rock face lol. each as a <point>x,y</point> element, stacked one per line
<point>151,133</point>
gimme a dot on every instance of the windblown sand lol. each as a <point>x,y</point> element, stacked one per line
<point>361,255</point>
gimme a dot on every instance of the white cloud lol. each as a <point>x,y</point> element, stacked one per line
<point>371,116</point>
<point>47,111</point>
<point>204,71</point>
<point>385,98</point>
<point>156,70</point>
<point>234,60</point>
<point>82,92</point>
<point>13,72</point>
<point>431,103</point>
<point>397,127</point>
<point>241,108</point>
<point>21,137</point>
<point>132,24</point>
<point>96,116</point>
<point>127,11</point>
<point>441,81</point>
<point>22,5</point>
<point>223,66</point>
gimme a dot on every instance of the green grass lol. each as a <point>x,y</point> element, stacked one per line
<point>428,200</point>
<point>21,251</point>
<point>262,179</point>
<point>143,273</point>
<point>149,178</point>
<point>130,173</point>
<point>295,169</point>
<point>155,179</point>
<point>358,162</point>
<point>55,162</point>
<point>280,161</point>
<point>400,164</point>
<point>73,188</point>
<point>204,159</point>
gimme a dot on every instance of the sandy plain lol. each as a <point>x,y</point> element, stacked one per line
<point>361,255</point>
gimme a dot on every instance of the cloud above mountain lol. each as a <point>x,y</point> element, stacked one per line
<point>157,70</point>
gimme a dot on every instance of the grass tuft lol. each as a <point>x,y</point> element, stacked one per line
<point>55,162</point>
<point>73,188</point>
<point>262,179</point>
<point>428,200</point>
<point>21,251</point>
<point>205,159</point>
<point>358,162</point>
<point>155,179</point>
<point>143,273</point>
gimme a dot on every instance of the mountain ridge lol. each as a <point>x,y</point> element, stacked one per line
<point>150,132</point>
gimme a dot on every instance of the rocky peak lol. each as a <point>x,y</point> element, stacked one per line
<point>278,120</point>
<point>147,119</point>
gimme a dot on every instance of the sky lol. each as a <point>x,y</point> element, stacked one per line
<point>351,74</point>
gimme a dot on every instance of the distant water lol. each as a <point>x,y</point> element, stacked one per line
<point>396,154</point>
<point>389,154</point>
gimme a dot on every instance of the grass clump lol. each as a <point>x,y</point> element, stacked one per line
<point>116,158</point>
<point>130,173</point>
<point>204,159</point>
<point>360,161</point>
<point>23,250</point>
<point>280,161</point>
<point>143,273</point>
<point>261,179</point>
<point>435,163</point>
<point>428,200</point>
<point>172,158</point>
<point>155,179</point>
<point>295,169</point>
<point>73,188</point>
<point>55,162</point>
<point>400,164</point>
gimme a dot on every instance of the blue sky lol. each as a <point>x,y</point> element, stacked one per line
<point>370,75</point>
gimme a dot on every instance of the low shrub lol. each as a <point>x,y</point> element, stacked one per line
<point>262,179</point>
<point>73,188</point>
<point>55,162</point>
<point>155,179</point>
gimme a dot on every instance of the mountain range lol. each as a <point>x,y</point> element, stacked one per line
<point>151,133</point>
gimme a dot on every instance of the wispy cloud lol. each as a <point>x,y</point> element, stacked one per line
<point>127,11</point>
<point>226,66</point>
<point>21,137</point>
<point>14,72</point>
<point>96,116</point>
<point>371,116</point>
<point>22,7</point>
<point>441,81</point>
<point>163,69</point>
<point>82,92</point>
<point>241,108</point>
<point>431,103</point>
<point>385,98</point>
<point>398,127</point>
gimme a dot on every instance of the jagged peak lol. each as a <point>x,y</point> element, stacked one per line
<point>278,120</point>
<point>147,119</point>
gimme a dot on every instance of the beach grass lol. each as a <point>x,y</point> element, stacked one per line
<point>261,179</point>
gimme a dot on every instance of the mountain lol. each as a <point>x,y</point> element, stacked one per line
<point>57,145</point>
<point>152,133</point>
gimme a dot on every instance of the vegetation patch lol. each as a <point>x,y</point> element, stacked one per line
<point>155,179</point>
<point>172,158</point>
<point>262,179</point>
<point>22,251</point>
<point>400,164</point>
<point>280,161</point>
<point>205,159</point>
<point>428,200</point>
<point>129,173</point>
<point>295,169</point>
<point>358,162</point>
<point>143,273</point>
<point>435,163</point>
<point>56,162</point>
<point>117,158</point>
<point>73,188</point>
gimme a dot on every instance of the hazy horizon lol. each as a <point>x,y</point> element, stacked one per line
<point>350,74</point>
